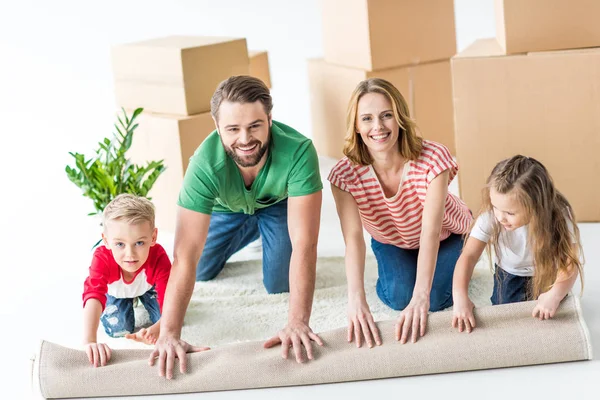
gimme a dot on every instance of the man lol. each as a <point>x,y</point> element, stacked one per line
<point>252,176</point>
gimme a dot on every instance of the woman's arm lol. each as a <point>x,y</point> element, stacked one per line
<point>359,314</point>
<point>414,316</point>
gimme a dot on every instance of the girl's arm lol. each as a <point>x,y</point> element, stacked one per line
<point>549,301</point>
<point>462,312</point>
<point>360,319</point>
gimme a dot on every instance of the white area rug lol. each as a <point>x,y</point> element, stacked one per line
<point>234,307</point>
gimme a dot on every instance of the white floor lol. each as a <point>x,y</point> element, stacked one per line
<point>43,292</point>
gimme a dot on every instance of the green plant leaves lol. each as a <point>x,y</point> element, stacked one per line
<point>110,173</point>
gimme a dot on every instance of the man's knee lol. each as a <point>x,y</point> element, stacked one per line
<point>276,286</point>
<point>207,272</point>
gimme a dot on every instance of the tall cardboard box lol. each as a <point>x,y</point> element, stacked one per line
<point>259,66</point>
<point>176,74</point>
<point>542,105</point>
<point>379,34</point>
<point>427,89</point>
<point>173,139</point>
<point>524,26</point>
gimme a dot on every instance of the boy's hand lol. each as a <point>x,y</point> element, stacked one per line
<point>98,353</point>
<point>546,306</point>
<point>462,314</point>
<point>144,335</point>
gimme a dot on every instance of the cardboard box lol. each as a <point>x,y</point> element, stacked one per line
<point>176,74</point>
<point>379,34</point>
<point>173,139</point>
<point>427,89</point>
<point>542,105</point>
<point>524,26</point>
<point>259,66</point>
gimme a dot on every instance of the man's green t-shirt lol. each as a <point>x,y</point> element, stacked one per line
<point>213,181</point>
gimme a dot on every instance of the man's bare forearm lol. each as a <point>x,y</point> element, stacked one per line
<point>177,297</point>
<point>303,266</point>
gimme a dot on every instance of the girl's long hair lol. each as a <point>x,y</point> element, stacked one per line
<point>553,233</point>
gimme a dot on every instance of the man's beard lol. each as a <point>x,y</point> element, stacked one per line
<point>248,161</point>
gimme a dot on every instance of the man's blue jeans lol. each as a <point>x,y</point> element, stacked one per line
<point>118,318</point>
<point>230,232</point>
<point>398,272</point>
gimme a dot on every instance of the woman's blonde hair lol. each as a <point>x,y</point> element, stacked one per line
<point>409,144</point>
<point>129,208</point>
<point>554,246</point>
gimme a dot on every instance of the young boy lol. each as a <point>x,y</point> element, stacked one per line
<point>129,265</point>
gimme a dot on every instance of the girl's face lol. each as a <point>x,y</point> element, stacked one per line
<point>508,210</point>
<point>376,124</point>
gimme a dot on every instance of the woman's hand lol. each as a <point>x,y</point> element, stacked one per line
<point>361,323</point>
<point>413,319</point>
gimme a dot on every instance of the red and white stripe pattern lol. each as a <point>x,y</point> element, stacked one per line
<point>397,220</point>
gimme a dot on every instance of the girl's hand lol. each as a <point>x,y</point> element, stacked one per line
<point>546,306</point>
<point>462,314</point>
<point>98,353</point>
<point>413,318</point>
<point>361,323</point>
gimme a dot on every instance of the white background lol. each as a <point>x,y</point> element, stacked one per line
<point>56,96</point>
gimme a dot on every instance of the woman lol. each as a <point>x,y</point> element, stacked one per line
<point>395,185</point>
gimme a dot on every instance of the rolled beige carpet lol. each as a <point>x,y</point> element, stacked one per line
<point>506,336</point>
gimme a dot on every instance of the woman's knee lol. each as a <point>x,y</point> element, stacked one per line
<point>395,296</point>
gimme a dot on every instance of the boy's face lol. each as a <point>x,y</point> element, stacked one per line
<point>129,243</point>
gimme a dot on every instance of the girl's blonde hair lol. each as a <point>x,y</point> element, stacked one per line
<point>554,246</point>
<point>129,208</point>
<point>409,144</point>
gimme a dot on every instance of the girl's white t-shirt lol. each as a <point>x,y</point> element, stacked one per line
<point>515,256</point>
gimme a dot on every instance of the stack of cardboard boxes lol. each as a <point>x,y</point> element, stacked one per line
<point>173,79</point>
<point>533,90</point>
<point>407,42</point>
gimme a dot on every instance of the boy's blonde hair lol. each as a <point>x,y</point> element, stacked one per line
<point>555,248</point>
<point>129,208</point>
<point>409,143</point>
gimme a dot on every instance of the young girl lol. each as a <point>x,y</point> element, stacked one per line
<point>531,227</point>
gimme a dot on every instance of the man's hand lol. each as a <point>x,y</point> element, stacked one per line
<point>296,334</point>
<point>168,348</point>
<point>98,353</point>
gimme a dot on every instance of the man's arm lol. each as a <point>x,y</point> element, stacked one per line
<point>304,217</point>
<point>190,236</point>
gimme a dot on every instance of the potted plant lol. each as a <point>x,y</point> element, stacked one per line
<point>109,172</point>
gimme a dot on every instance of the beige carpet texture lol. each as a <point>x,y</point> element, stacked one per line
<point>506,336</point>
